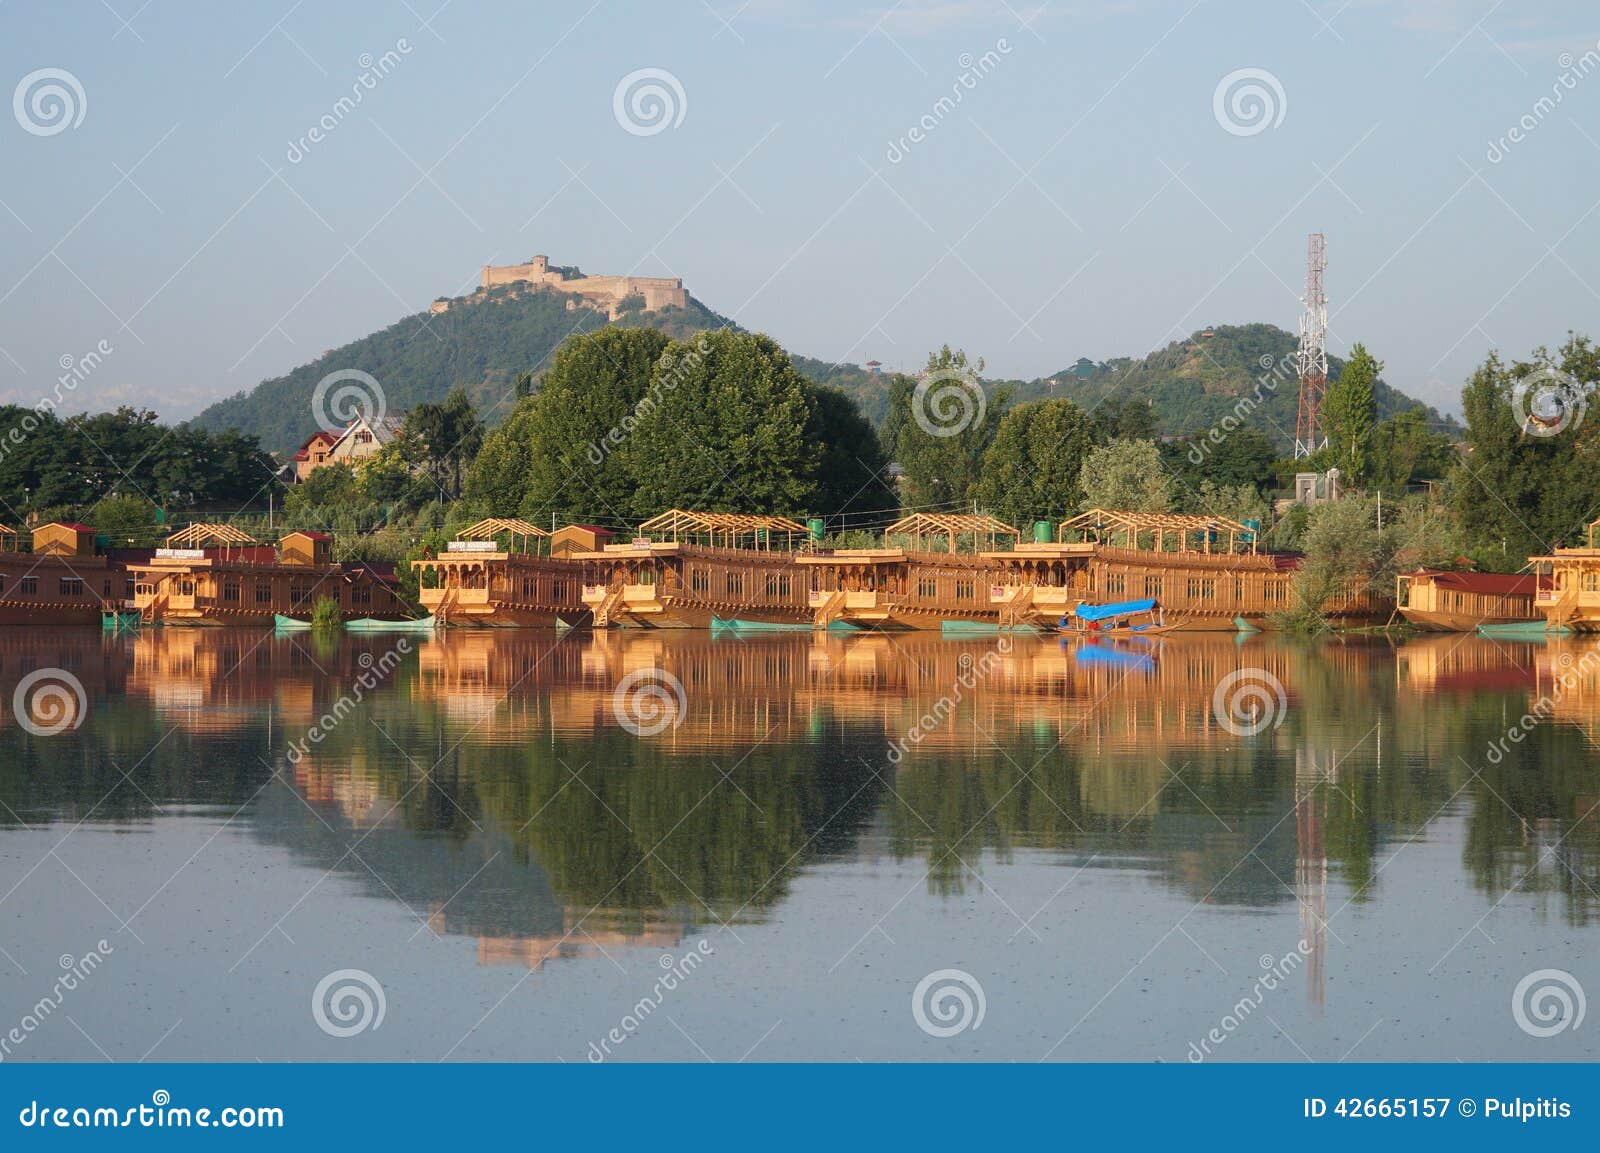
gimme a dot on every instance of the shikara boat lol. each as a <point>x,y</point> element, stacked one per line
<point>1117,619</point>
<point>368,625</point>
<point>1523,631</point>
<point>290,624</point>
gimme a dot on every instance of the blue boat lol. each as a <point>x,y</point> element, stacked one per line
<point>1116,619</point>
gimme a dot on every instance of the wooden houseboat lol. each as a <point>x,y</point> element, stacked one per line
<point>214,574</point>
<point>1206,572</point>
<point>65,580</point>
<point>912,586</point>
<point>1458,602</point>
<point>494,575</point>
<point>695,569</point>
<point>1568,593</point>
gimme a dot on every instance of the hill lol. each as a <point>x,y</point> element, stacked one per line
<point>481,347</point>
<point>1193,384</point>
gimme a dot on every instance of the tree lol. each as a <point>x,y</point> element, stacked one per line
<point>1033,469</point>
<point>1343,551</point>
<point>444,438</point>
<point>726,430</point>
<point>941,425</point>
<point>557,451</point>
<point>1349,411</point>
<point>1405,451</point>
<point>1126,476</point>
<point>853,473</point>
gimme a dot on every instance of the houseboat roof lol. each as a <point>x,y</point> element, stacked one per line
<point>71,524</point>
<point>308,534</point>
<point>1488,583</point>
<point>677,520</point>
<point>198,535</point>
<point>487,528</point>
<point>951,524</point>
<point>1100,521</point>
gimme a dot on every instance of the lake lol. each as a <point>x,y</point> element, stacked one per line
<point>663,846</point>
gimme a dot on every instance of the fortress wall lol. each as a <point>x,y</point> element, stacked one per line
<point>658,291</point>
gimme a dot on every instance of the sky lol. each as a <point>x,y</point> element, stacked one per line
<point>1031,182</point>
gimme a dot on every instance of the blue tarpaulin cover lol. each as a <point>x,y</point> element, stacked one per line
<point>1119,609</point>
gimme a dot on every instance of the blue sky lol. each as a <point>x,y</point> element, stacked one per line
<point>1083,197</point>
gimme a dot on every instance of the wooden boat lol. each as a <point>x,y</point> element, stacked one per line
<point>1458,602</point>
<point>65,580</point>
<point>214,574</point>
<point>494,576</point>
<point>1523,630</point>
<point>1140,618</point>
<point>426,624</point>
<point>1569,585</point>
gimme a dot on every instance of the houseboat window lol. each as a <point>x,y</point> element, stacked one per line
<point>28,586</point>
<point>1202,588</point>
<point>964,590</point>
<point>2,584</point>
<point>927,586</point>
<point>558,589</point>
<point>1591,582</point>
<point>72,586</point>
<point>1238,589</point>
<point>263,594</point>
<point>1152,586</point>
<point>361,595</point>
<point>186,588</point>
<point>1116,584</point>
<point>735,583</point>
<point>230,592</point>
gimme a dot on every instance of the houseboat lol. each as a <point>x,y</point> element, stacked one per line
<point>1205,571</point>
<point>499,573</point>
<point>65,580</point>
<point>689,570</point>
<point>1568,593</point>
<point>910,584</point>
<point>214,574</point>
<point>1458,602</point>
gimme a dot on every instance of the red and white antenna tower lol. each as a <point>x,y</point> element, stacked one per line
<point>1313,357</point>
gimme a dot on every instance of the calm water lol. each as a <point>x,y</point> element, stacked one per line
<point>520,873</point>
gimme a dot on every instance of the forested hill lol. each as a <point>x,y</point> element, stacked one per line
<point>1190,384</point>
<point>1193,384</point>
<point>479,346</point>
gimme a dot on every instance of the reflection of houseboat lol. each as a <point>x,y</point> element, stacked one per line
<point>63,581</point>
<point>1456,602</point>
<point>1570,597</point>
<point>909,587</point>
<point>688,569</point>
<point>213,574</point>
<point>494,576</point>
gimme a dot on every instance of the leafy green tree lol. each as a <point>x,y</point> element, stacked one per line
<point>1126,476</point>
<point>1349,412</point>
<point>853,473</point>
<point>558,450</point>
<point>124,518</point>
<point>1033,469</point>
<point>1239,502</point>
<point>1406,451</point>
<point>941,425</point>
<point>726,431</point>
<point>443,438</point>
<point>1343,551</point>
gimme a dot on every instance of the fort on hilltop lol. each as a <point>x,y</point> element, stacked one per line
<point>602,292</point>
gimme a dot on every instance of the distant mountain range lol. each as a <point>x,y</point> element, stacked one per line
<point>1191,384</point>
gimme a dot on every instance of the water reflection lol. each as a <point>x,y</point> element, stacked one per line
<point>487,784</point>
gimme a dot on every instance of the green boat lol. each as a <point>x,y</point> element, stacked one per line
<point>718,624</point>
<point>289,624</point>
<point>113,621</point>
<point>1523,631</point>
<point>368,625</point>
<point>1244,626</point>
